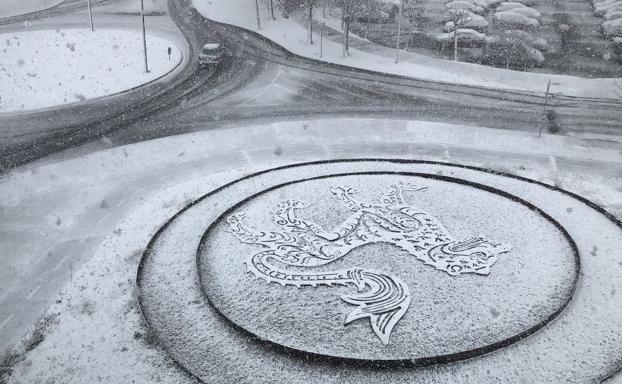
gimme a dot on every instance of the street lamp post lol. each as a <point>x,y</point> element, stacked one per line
<point>88,2</point>
<point>399,28</point>
<point>322,39</point>
<point>142,14</point>
<point>257,13</point>
<point>546,101</point>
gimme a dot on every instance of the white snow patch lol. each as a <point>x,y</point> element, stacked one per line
<point>45,68</point>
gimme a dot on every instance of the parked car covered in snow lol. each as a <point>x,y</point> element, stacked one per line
<point>527,11</point>
<point>602,8</point>
<point>529,3</point>
<point>465,37</point>
<point>375,17</point>
<point>613,27</point>
<point>513,20</point>
<point>509,5</point>
<point>466,5</point>
<point>473,21</point>
<point>611,11</point>
<point>615,14</point>
<point>522,37</point>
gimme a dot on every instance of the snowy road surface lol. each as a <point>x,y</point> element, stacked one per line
<point>261,82</point>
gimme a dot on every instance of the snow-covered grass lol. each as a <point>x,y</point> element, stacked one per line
<point>46,68</point>
<point>10,8</point>
<point>292,35</point>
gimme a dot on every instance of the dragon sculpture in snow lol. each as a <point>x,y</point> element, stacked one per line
<point>380,297</point>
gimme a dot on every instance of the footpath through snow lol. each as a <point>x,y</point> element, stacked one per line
<point>292,35</point>
<point>45,68</point>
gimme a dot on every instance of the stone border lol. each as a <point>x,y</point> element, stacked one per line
<point>392,363</point>
<point>149,247</point>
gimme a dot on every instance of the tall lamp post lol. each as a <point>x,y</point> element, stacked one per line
<point>257,13</point>
<point>142,14</point>
<point>88,3</point>
<point>399,28</point>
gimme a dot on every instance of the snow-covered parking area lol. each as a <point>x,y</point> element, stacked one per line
<point>46,68</point>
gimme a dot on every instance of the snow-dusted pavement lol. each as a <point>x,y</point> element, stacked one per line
<point>79,225</point>
<point>45,68</point>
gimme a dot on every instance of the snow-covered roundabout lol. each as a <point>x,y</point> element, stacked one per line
<point>45,68</point>
<point>386,270</point>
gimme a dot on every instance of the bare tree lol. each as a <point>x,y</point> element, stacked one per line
<point>345,25</point>
<point>459,17</point>
<point>257,12</point>
<point>310,4</point>
<point>517,43</point>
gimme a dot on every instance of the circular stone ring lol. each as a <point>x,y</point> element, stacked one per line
<point>342,271</point>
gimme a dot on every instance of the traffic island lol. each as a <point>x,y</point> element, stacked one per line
<point>47,68</point>
<point>385,271</point>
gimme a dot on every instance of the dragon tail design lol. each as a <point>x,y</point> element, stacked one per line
<point>381,298</point>
<point>384,303</point>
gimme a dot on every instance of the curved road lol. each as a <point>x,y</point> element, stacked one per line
<point>261,80</point>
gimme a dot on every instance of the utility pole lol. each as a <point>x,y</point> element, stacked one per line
<point>88,2</point>
<point>546,101</point>
<point>399,28</point>
<point>257,12</point>
<point>311,21</point>
<point>322,39</point>
<point>142,14</point>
